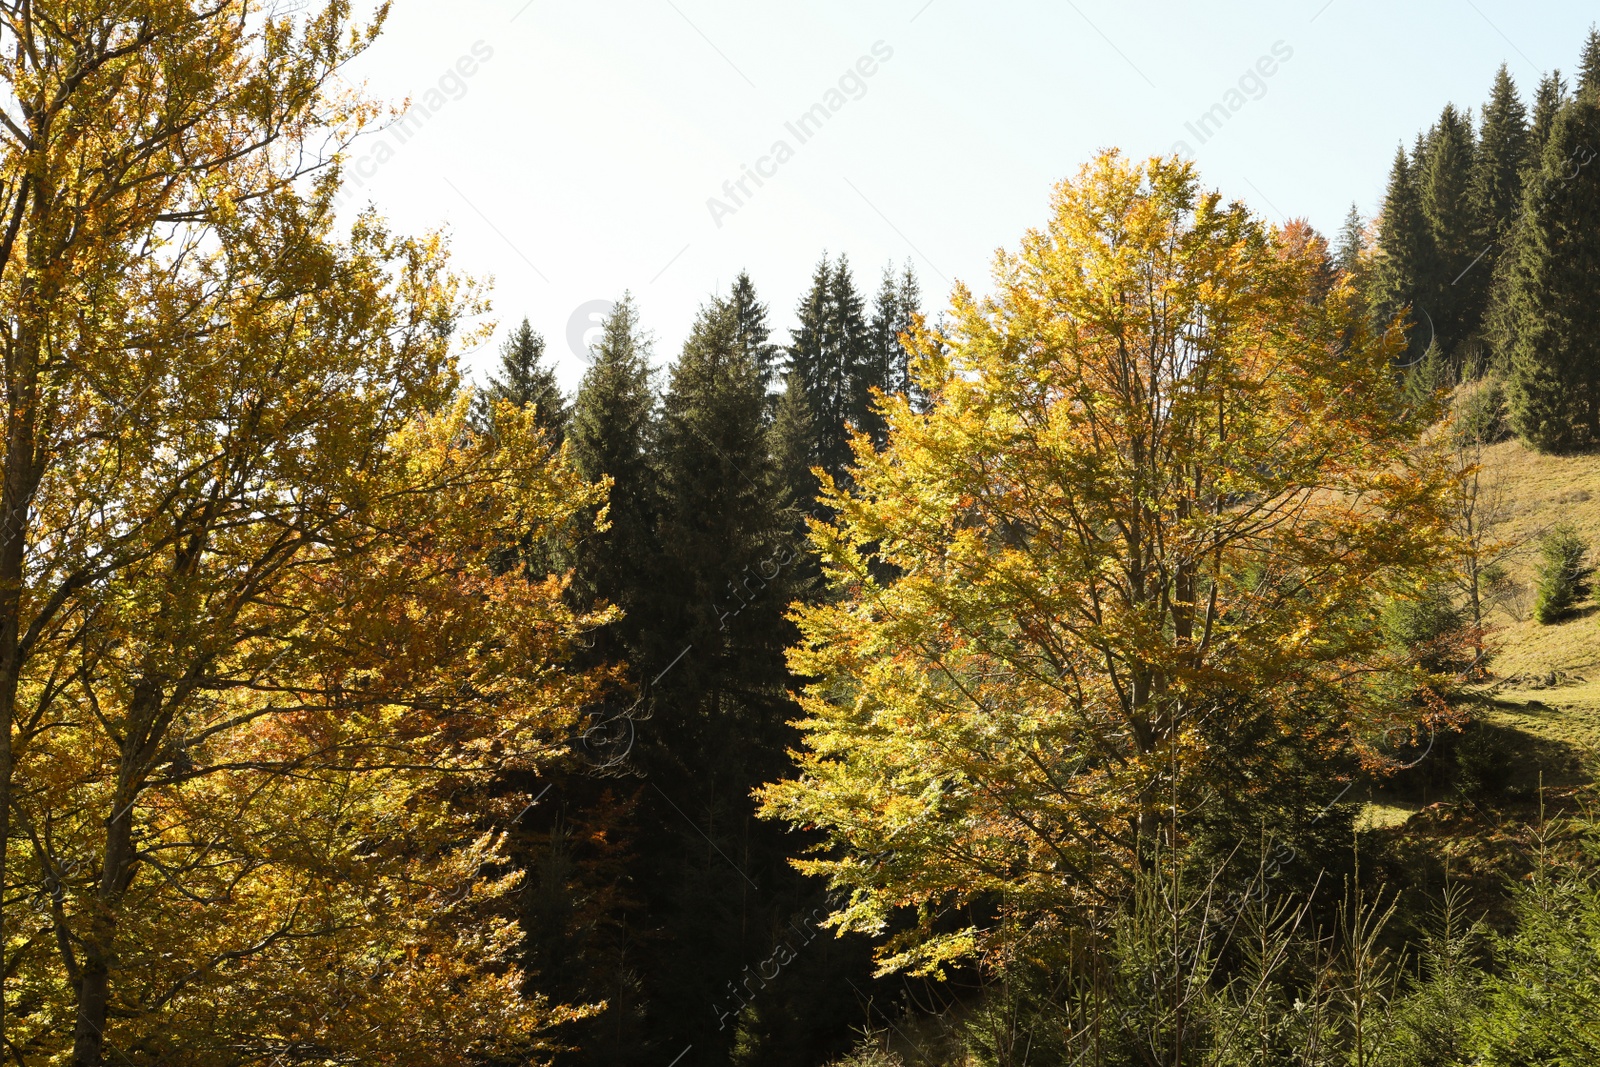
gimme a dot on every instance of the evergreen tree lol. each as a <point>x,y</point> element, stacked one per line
<point>1554,383</point>
<point>1405,255</point>
<point>792,444</point>
<point>1547,104</point>
<point>718,880</point>
<point>1502,159</point>
<point>894,313</point>
<point>525,379</point>
<point>1589,65</point>
<point>1453,293</point>
<point>753,330</point>
<point>830,356</point>
<point>1347,255</point>
<point>611,435</point>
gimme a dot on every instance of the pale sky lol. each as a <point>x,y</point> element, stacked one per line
<point>571,148</point>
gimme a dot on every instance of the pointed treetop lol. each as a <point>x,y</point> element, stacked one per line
<point>526,380</point>
<point>1589,65</point>
<point>1347,257</point>
<point>752,329</point>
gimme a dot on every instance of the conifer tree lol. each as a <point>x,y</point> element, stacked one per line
<point>1405,255</point>
<point>1501,160</point>
<point>1547,104</point>
<point>1554,386</point>
<point>525,380</point>
<point>753,329</point>
<point>1589,65</point>
<point>1452,292</point>
<point>1347,254</point>
<point>612,425</point>
<point>718,721</point>
<point>894,313</point>
<point>830,355</point>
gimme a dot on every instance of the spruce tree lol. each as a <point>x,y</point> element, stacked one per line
<point>753,329</point>
<point>612,426</point>
<point>1405,256</point>
<point>718,724</point>
<point>1547,104</point>
<point>1554,386</point>
<point>894,312</point>
<point>830,356</point>
<point>526,380</point>
<point>1502,158</point>
<point>1589,65</point>
<point>1452,291</point>
<point>1347,255</point>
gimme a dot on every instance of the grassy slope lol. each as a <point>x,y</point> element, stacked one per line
<point>1546,679</point>
<point>1549,684</point>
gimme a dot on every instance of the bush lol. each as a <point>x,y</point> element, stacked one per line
<point>1426,626</point>
<point>1480,413</point>
<point>1563,576</point>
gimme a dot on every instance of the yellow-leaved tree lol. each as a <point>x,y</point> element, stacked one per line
<point>1163,483</point>
<point>258,671</point>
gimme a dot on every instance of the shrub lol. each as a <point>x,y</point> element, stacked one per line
<point>1426,627</point>
<point>1480,413</point>
<point>1563,576</point>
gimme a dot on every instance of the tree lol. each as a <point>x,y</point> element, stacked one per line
<point>612,430</point>
<point>1548,101</point>
<point>1352,242</point>
<point>753,331</point>
<point>1151,507</point>
<point>717,881</point>
<point>894,315</point>
<point>237,488</point>
<point>1501,161</point>
<point>1554,321</point>
<point>1564,575</point>
<point>1404,258</point>
<point>1454,293</point>
<point>525,381</point>
<point>1589,65</point>
<point>830,355</point>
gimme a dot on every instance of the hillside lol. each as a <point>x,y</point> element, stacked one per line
<point>1547,678</point>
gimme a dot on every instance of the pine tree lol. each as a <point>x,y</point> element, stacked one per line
<point>612,426</point>
<point>1405,255</point>
<point>526,380</point>
<point>1453,293</point>
<point>1554,384</point>
<point>1589,65</point>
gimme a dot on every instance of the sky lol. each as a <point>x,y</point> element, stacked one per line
<point>577,150</point>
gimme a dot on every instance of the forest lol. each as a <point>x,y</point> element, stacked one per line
<point>1171,654</point>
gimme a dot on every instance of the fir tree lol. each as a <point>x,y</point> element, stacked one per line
<point>1405,255</point>
<point>611,435</point>
<point>1554,383</point>
<point>525,379</point>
